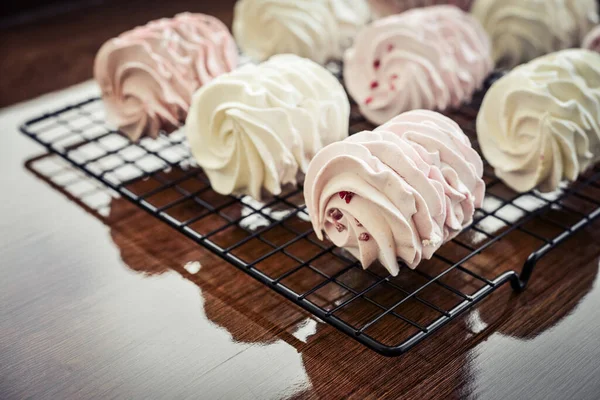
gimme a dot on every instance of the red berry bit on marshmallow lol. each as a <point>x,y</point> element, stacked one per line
<point>346,196</point>
<point>336,214</point>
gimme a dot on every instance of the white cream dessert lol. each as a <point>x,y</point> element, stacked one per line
<point>384,8</point>
<point>316,29</point>
<point>259,126</point>
<point>540,123</point>
<point>521,30</point>
<point>398,192</point>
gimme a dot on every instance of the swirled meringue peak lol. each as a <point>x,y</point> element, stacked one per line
<point>148,75</point>
<point>383,8</point>
<point>431,58</point>
<point>316,29</point>
<point>592,40</point>
<point>521,30</point>
<point>259,126</point>
<point>540,123</point>
<point>398,192</point>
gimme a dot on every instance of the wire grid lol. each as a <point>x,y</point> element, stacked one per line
<point>274,242</point>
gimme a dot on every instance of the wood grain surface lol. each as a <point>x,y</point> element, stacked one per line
<point>100,300</point>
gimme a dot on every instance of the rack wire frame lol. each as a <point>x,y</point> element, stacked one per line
<point>79,135</point>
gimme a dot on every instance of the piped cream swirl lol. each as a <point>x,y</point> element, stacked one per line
<point>398,192</point>
<point>259,126</point>
<point>432,58</point>
<point>521,30</point>
<point>384,8</point>
<point>148,75</point>
<point>540,124</point>
<point>316,29</point>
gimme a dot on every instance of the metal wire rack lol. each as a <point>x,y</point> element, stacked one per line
<point>274,243</point>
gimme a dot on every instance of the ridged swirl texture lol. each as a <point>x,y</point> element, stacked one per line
<point>398,192</point>
<point>592,40</point>
<point>316,29</point>
<point>427,58</point>
<point>540,123</point>
<point>259,126</point>
<point>384,8</point>
<point>148,75</point>
<point>521,30</point>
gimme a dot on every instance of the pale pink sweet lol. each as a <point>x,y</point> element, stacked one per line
<point>383,8</point>
<point>592,40</point>
<point>427,58</point>
<point>148,75</point>
<point>398,192</point>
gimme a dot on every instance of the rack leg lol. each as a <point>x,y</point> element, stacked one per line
<point>519,282</point>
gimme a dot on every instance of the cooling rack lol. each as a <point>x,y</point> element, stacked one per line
<point>274,243</point>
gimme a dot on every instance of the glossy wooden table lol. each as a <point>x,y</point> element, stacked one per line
<point>113,305</point>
